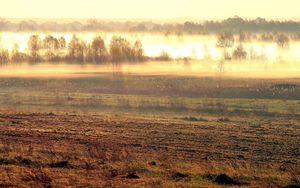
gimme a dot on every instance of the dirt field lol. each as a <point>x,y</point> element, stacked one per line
<point>100,136</point>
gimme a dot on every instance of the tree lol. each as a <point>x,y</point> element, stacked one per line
<point>98,50</point>
<point>76,49</point>
<point>164,56</point>
<point>120,50</point>
<point>282,41</point>
<point>17,56</point>
<point>239,53</point>
<point>34,45</point>
<point>51,43</point>
<point>225,39</point>
<point>4,56</point>
<point>138,51</point>
<point>62,42</point>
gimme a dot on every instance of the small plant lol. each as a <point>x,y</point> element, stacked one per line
<point>153,163</point>
<point>6,161</point>
<point>224,119</point>
<point>194,119</point>
<point>179,176</point>
<point>60,164</point>
<point>224,179</point>
<point>132,175</point>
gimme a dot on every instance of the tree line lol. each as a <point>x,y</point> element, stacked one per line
<point>227,39</point>
<point>53,49</point>
<point>236,24</point>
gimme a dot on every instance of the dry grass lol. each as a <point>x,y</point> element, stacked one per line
<point>135,131</point>
<point>103,150</point>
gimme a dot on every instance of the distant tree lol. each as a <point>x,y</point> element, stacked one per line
<point>50,43</point>
<point>34,45</point>
<point>98,50</point>
<point>76,50</point>
<point>268,37</point>
<point>120,50</point>
<point>243,37</point>
<point>282,41</point>
<point>4,56</point>
<point>164,56</point>
<point>239,53</point>
<point>138,51</point>
<point>221,66</point>
<point>62,42</point>
<point>226,55</point>
<point>225,39</point>
<point>17,56</point>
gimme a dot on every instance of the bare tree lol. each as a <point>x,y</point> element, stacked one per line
<point>98,50</point>
<point>17,56</point>
<point>239,53</point>
<point>34,45</point>
<point>4,56</point>
<point>76,50</point>
<point>62,42</point>
<point>51,43</point>
<point>120,50</point>
<point>282,41</point>
<point>138,51</point>
<point>225,39</point>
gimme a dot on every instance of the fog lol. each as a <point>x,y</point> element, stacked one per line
<point>207,58</point>
<point>174,68</point>
<point>177,46</point>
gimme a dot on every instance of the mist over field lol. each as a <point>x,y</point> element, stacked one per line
<point>189,55</point>
<point>150,94</point>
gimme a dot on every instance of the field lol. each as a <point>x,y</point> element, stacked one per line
<point>121,130</point>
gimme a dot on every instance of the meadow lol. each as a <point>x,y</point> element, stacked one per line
<point>115,129</point>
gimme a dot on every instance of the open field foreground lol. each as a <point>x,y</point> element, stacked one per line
<point>108,150</point>
<point>149,131</point>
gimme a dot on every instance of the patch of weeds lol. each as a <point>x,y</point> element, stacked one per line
<point>224,119</point>
<point>224,179</point>
<point>60,164</point>
<point>157,183</point>
<point>3,185</point>
<point>24,161</point>
<point>132,175</point>
<point>51,114</point>
<point>179,176</point>
<point>38,176</point>
<point>292,186</point>
<point>7,161</point>
<point>152,163</point>
<point>194,119</point>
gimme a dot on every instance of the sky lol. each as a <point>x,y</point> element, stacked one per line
<point>150,9</point>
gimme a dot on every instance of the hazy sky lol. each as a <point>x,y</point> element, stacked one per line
<point>149,9</point>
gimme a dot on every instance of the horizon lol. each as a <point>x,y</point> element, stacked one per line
<point>167,20</point>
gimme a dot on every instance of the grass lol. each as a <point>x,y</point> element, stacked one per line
<point>147,131</point>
